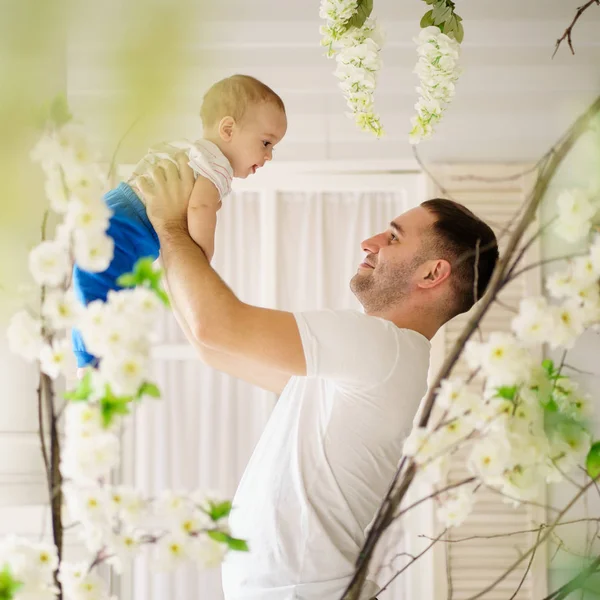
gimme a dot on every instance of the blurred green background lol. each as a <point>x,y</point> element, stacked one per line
<point>138,49</point>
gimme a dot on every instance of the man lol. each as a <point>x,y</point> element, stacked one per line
<point>350,382</point>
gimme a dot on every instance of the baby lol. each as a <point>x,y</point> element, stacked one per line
<point>242,121</point>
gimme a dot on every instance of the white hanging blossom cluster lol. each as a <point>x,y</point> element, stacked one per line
<point>530,426</point>
<point>114,522</point>
<point>438,72</point>
<point>355,40</point>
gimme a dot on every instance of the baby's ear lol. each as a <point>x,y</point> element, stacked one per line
<point>226,128</point>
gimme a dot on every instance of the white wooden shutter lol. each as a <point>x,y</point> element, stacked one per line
<point>472,565</point>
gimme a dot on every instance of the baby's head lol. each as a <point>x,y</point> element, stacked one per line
<point>245,119</point>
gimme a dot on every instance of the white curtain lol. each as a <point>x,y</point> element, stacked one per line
<point>201,434</point>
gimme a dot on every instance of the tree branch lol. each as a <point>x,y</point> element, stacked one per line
<point>537,541</point>
<point>569,30</point>
<point>541,540</point>
<point>397,574</point>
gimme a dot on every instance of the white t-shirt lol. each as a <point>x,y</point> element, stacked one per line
<point>206,159</point>
<point>326,458</point>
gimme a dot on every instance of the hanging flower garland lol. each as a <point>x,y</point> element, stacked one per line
<point>355,40</point>
<point>438,48</point>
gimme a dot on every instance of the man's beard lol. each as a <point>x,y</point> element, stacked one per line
<point>384,287</point>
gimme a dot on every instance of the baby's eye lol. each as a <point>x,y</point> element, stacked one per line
<point>266,144</point>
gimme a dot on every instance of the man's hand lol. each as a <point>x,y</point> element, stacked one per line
<point>166,189</point>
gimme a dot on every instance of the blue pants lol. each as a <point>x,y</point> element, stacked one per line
<point>134,238</point>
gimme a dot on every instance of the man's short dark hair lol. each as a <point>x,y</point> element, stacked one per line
<point>464,240</point>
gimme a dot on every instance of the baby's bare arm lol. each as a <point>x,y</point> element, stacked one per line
<point>202,215</point>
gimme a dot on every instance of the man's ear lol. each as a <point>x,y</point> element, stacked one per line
<point>226,126</point>
<point>434,272</point>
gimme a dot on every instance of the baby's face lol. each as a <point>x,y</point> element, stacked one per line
<point>251,146</point>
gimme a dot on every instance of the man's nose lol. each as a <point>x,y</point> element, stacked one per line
<point>373,244</point>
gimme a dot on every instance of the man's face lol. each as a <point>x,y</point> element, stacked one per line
<point>251,146</point>
<point>390,270</point>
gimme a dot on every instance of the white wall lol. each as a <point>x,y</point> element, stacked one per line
<point>512,102</point>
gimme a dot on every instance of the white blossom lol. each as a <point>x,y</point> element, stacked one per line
<point>560,284</point>
<point>595,253</point>
<point>84,420</point>
<point>568,322</point>
<point>173,551</point>
<point>123,548</point>
<point>81,584</point>
<point>93,252</point>
<point>87,184</point>
<point>456,507</point>
<point>31,563</point>
<point>87,503</point>
<point>127,503</point>
<point>24,335</point>
<point>437,69</point>
<point>417,444</point>
<point>207,551</point>
<point>521,483</point>
<point>88,219</point>
<point>125,372</point>
<point>91,458</point>
<point>501,358</point>
<point>54,357</point>
<point>488,458</point>
<point>172,506</point>
<point>357,51</point>
<point>337,10</point>
<point>49,263</point>
<point>61,309</point>
<point>57,191</point>
<point>455,396</point>
<point>534,320</point>
<point>575,212</point>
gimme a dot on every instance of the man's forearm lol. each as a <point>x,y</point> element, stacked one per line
<point>204,301</point>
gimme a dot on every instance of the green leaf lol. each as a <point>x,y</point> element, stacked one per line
<point>237,545</point>
<point>460,33</point>
<point>112,405</point>
<point>128,280</point>
<point>219,510</point>
<point>82,391</point>
<point>225,538</point>
<point>427,20</point>
<point>507,392</point>
<point>149,389</point>
<point>363,10</point>
<point>450,26</point>
<point>548,366</point>
<point>430,1</point>
<point>592,462</point>
<point>8,585</point>
<point>59,111</point>
<point>145,271</point>
<point>218,536</point>
<point>440,13</point>
<point>162,295</point>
